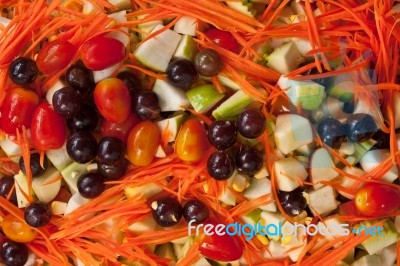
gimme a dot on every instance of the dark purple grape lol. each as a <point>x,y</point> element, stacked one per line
<point>208,63</point>
<point>182,73</point>
<point>80,78</point>
<point>23,71</point>
<point>86,120</point>
<point>382,140</point>
<point>130,80</point>
<point>6,184</point>
<point>251,123</point>
<point>36,169</point>
<point>145,105</point>
<point>37,215</point>
<point>111,150</point>
<point>222,134</point>
<point>166,211</point>
<point>220,165</point>
<point>114,171</point>
<point>331,132</point>
<point>13,253</point>
<point>248,160</point>
<point>195,210</point>
<point>293,202</point>
<point>82,147</point>
<point>360,127</point>
<point>91,185</point>
<point>66,102</point>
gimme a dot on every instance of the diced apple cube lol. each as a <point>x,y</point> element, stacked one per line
<point>289,172</point>
<point>186,25</point>
<point>322,201</point>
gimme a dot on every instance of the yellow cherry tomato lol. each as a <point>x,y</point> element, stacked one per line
<point>191,142</point>
<point>17,230</point>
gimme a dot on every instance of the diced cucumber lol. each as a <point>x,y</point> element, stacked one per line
<point>186,25</point>
<point>171,124</point>
<point>21,184</point>
<point>155,53</point>
<point>285,58</point>
<point>376,243</point>
<point>322,201</point>
<point>233,105</point>
<point>47,193</point>
<point>362,148</point>
<point>11,149</point>
<point>288,171</point>
<point>203,98</point>
<point>59,157</point>
<point>342,88</point>
<point>258,188</point>
<point>321,167</point>
<point>241,7</point>
<point>186,48</point>
<point>285,15</point>
<point>71,173</point>
<point>368,260</point>
<point>373,159</point>
<point>307,94</point>
<point>171,98</point>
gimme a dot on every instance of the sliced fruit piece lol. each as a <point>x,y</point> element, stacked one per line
<point>291,132</point>
<point>21,188</point>
<point>108,72</point>
<point>75,202</point>
<point>186,25</point>
<point>166,250</point>
<point>322,201</point>
<point>121,4</point>
<point>242,7</point>
<point>273,221</point>
<point>155,53</point>
<point>342,88</point>
<point>71,173</point>
<point>203,98</point>
<point>258,188</point>
<point>304,45</point>
<point>376,243</point>
<point>321,167</point>
<point>388,255</point>
<point>233,105</point>
<point>186,48</point>
<point>368,260</point>
<point>11,149</point>
<point>288,172</point>
<point>373,159</point>
<point>145,191</point>
<point>59,157</point>
<point>348,182</point>
<point>123,34</point>
<point>251,217</point>
<point>170,98</point>
<point>148,224</point>
<point>285,58</point>
<point>171,124</point>
<point>227,196</point>
<point>147,27</point>
<point>275,251</point>
<point>294,243</point>
<point>44,188</point>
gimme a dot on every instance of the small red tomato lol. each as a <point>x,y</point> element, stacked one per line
<point>143,142</point>
<point>48,129</point>
<point>220,247</point>
<point>191,142</point>
<point>377,200</point>
<point>17,109</point>
<point>113,100</point>
<point>101,52</point>
<point>119,130</point>
<point>224,39</point>
<point>54,56</point>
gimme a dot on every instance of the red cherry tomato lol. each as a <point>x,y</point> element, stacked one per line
<point>143,142</point>
<point>113,100</point>
<point>54,56</point>
<point>220,247</point>
<point>224,39</point>
<point>101,52</point>
<point>191,142</point>
<point>17,109</point>
<point>48,129</point>
<point>119,130</point>
<point>377,200</point>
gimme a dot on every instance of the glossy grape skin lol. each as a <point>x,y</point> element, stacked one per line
<point>114,171</point>
<point>91,185</point>
<point>37,215</point>
<point>80,78</point>
<point>360,127</point>
<point>6,184</point>
<point>166,211</point>
<point>182,73</point>
<point>130,80</point>
<point>251,123</point>
<point>66,102</point>
<point>82,147</point>
<point>111,150</point>
<point>23,71</point>
<point>208,63</point>
<point>195,210</point>
<point>293,202</point>
<point>13,253</point>
<point>145,104</point>
<point>248,160</point>
<point>331,132</point>
<point>222,134</point>
<point>382,140</point>
<point>86,120</point>
<point>220,165</point>
<point>36,169</point>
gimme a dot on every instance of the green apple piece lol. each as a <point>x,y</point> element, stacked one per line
<point>186,26</point>
<point>288,171</point>
<point>291,132</point>
<point>21,187</point>
<point>156,53</point>
<point>368,260</point>
<point>233,105</point>
<point>11,149</point>
<point>121,4</point>
<point>275,251</point>
<point>389,255</point>
<point>376,243</point>
<point>294,244</point>
<point>203,98</point>
<point>274,218</point>
<point>348,182</point>
<point>75,202</point>
<point>373,159</point>
<point>171,98</point>
<point>171,124</point>
<point>342,88</point>
<point>258,188</point>
<point>186,48</point>
<point>47,193</point>
<point>361,149</point>
<point>304,45</point>
<point>108,72</point>
<point>148,224</point>
<point>227,82</point>
<point>147,27</point>
<point>307,94</point>
<point>251,217</point>
<point>322,201</point>
<point>227,196</point>
<point>71,173</point>
<point>59,157</point>
<point>145,191</point>
<point>241,7</point>
<point>285,58</point>
<point>322,167</point>
<point>166,250</point>
<point>55,87</point>
<point>123,34</point>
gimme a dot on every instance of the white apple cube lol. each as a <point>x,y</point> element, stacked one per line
<point>44,188</point>
<point>288,171</point>
<point>373,159</point>
<point>348,182</point>
<point>186,25</point>
<point>171,98</point>
<point>285,58</point>
<point>322,167</point>
<point>322,201</point>
<point>258,188</point>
